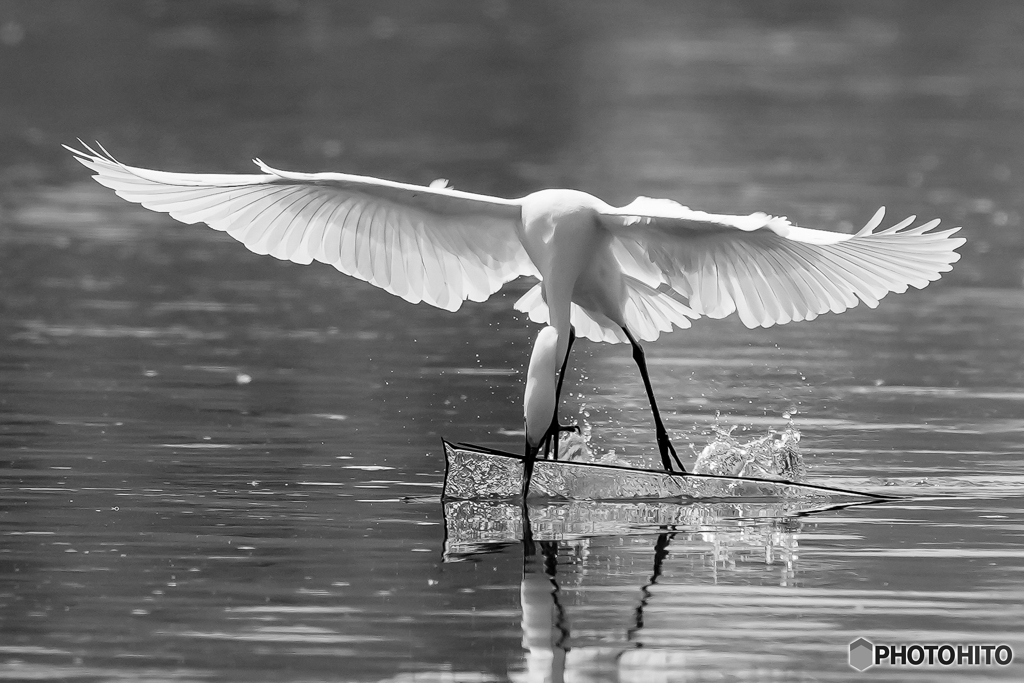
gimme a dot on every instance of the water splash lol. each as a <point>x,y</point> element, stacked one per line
<point>774,455</point>
<point>576,447</point>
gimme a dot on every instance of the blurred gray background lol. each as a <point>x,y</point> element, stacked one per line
<point>816,110</point>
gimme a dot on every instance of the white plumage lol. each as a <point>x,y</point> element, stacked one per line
<point>609,272</point>
<point>442,246</point>
<point>420,243</point>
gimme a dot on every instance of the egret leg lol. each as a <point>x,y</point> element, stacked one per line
<point>556,429</point>
<point>565,363</point>
<point>664,445</point>
<point>529,458</point>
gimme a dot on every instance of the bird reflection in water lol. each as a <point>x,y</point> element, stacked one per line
<point>547,639</point>
<point>567,542</point>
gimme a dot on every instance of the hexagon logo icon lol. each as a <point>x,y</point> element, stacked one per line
<point>862,653</point>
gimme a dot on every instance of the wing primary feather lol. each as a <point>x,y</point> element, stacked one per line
<point>312,242</point>
<point>923,228</point>
<point>922,251</point>
<point>810,297</point>
<point>279,225</point>
<point>862,284</point>
<point>378,248</point>
<point>291,246</point>
<point>415,268</point>
<point>250,225</point>
<point>813,296</point>
<point>363,254</point>
<point>339,241</point>
<point>886,259</point>
<point>473,279</point>
<point>748,289</point>
<point>644,324</point>
<point>731,289</point>
<point>821,293</point>
<point>395,254</point>
<point>241,218</point>
<point>896,228</point>
<point>434,279</point>
<point>774,296</point>
<point>753,302</point>
<point>264,223</point>
<point>280,233</point>
<point>166,199</point>
<point>455,280</point>
<point>215,209</point>
<point>827,276</point>
<point>875,221</point>
<point>720,295</point>
<point>172,207</point>
<point>705,273</point>
<point>906,268</point>
<point>910,257</point>
<point>890,276</point>
<point>784,282</point>
<point>382,242</point>
<point>401,256</point>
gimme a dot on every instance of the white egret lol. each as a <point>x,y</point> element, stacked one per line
<point>606,273</point>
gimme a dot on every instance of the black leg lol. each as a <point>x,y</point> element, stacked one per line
<point>664,445</point>
<point>660,553</point>
<point>530,457</point>
<point>565,363</point>
<point>529,549</point>
<point>556,429</point>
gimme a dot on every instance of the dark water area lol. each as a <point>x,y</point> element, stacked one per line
<point>219,466</point>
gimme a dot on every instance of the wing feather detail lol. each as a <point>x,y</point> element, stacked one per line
<point>771,272</point>
<point>431,244</point>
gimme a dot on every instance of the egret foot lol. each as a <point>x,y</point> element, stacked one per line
<point>552,439</point>
<point>666,449</point>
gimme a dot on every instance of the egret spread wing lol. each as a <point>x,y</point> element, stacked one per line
<point>770,271</point>
<point>431,244</point>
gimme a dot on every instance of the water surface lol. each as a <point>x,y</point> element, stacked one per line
<point>218,466</point>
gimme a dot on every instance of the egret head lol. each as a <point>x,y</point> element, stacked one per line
<point>541,378</point>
